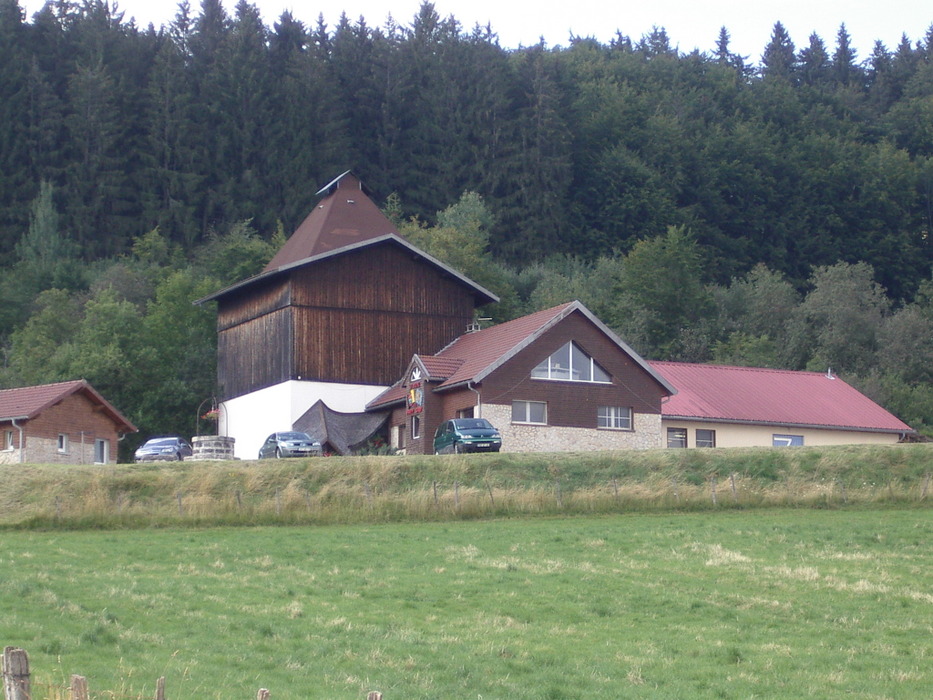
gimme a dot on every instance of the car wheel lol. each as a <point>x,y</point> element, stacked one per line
<point>458,448</point>
<point>278,453</point>
<point>178,456</point>
<point>259,456</point>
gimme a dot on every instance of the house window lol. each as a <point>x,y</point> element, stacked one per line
<point>706,438</point>
<point>101,451</point>
<point>400,437</point>
<point>787,440</point>
<point>676,437</point>
<point>571,364</point>
<point>465,412</point>
<point>8,440</point>
<point>415,427</point>
<point>62,442</point>
<point>529,412</point>
<point>616,417</point>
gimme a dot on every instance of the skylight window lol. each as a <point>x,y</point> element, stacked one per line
<point>571,364</point>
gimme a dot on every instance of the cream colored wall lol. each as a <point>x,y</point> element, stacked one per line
<point>731,435</point>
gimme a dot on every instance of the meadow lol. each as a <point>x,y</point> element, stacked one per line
<point>740,603</point>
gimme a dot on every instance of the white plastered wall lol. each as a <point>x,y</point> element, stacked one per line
<point>251,418</point>
<point>735,435</point>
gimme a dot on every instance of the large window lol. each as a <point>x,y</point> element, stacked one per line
<point>415,427</point>
<point>706,438</point>
<point>787,440</point>
<point>676,437</point>
<point>616,417</point>
<point>529,412</point>
<point>62,443</point>
<point>8,440</point>
<point>571,364</point>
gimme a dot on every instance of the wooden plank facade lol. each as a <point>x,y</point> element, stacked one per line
<point>355,317</point>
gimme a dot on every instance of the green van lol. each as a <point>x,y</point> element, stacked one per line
<point>466,435</point>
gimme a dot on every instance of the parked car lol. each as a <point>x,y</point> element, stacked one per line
<point>289,444</point>
<point>466,435</point>
<point>170,448</point>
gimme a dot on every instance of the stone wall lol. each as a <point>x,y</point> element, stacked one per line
<point>551,438</point>
<point>207,447</point>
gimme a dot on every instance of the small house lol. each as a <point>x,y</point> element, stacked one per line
<point>556,380</point>
<point>61,423</point>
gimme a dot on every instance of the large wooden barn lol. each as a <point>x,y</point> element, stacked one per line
<point>336,316</point>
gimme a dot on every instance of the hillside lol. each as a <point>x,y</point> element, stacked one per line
<point>379,489</point>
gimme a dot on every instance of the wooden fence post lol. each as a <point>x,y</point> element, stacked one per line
<point>735,495</point>
<point>263,694</point>
<point>712,486</point>
<point>457,495</point>
<point>160,688</point>
<point>374,695</point>
<point>615,488</point>
<point>435,493</point>
<point>560,496</point>
<point>78,687</point>
<point>676,492</point>
<point>181,509</point>
<point>926,486</point>
<point>16,674</point>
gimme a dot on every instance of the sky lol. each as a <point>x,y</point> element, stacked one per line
<point>689,24</point>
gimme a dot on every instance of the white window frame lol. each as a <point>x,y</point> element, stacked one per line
<point>784,440</point>
<point>527,411</point>
<point>614,418</point>
<point>8,440</point>
<point>549,368</point>
<point>415,427</point>
<point>63,443</point>
<point>101,449</point>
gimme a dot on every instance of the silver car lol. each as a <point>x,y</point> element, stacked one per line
<point>289,444</point>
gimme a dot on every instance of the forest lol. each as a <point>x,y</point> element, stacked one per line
<point>708,207</point>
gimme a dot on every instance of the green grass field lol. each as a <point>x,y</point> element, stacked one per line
<point>765,603</point>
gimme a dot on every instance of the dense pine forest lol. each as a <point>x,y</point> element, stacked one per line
<point>709,207</point>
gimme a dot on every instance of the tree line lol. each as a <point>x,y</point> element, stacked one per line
<point>132,158</point>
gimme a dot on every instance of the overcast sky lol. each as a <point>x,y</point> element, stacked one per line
<point>689,24</point>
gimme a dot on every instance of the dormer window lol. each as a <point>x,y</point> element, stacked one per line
<point>571,364</point>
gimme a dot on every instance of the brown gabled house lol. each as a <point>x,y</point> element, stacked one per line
<point>335,316</point>
<point>64,423</point>
<point>555,380</point>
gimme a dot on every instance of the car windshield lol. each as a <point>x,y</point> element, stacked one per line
<point>293,436</point>
<point>161,442</point>
<point>472,424</point>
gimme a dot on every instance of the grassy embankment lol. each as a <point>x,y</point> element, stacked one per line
<point>397,489</point>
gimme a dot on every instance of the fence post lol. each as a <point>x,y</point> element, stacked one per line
<point>435,493</point>
<point>712,485</point>
<point>457,495</point>
<point>181,509</point>
<point>926,485</point>
<point>78,687</point>
<point>263,694</point>
<point>560,496</point>
<point>735,495</point>
<point>374,695</point>
<point>16,674</point>
<point>160,688</point>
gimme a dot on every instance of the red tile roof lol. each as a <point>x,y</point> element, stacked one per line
<point>439,367</point>
<point>772,397</point>
<point>28,402</point>
<point>344,217</point>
